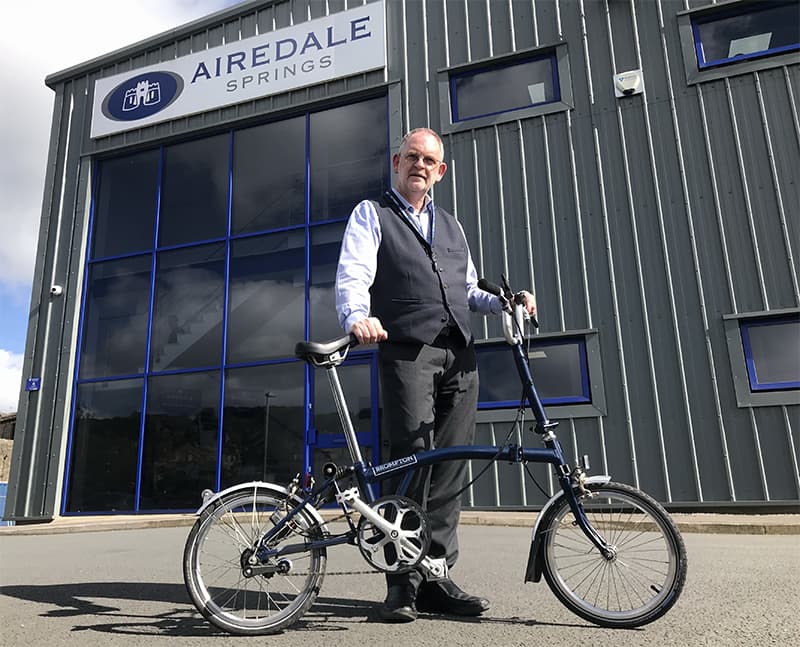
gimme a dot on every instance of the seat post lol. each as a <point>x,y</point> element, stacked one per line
<point>344,415</point>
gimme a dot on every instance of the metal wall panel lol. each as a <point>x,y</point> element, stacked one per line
<point>647,218</point>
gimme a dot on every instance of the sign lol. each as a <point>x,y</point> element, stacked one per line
<point>33,384</point>
<point>339,45</point>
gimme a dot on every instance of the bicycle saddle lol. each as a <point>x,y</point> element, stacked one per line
<point>325,353</point>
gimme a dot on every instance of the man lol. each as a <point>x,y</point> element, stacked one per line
<point>406,279</point>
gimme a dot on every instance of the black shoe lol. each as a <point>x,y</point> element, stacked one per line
<point>399,605</point>
<point>446,597</point>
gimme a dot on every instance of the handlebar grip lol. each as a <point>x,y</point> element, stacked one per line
<point>491,288</point>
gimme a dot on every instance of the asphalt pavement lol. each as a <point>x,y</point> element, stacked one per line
<point>125,588</point>
<point>699,522</point>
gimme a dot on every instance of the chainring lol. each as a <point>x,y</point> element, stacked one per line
<point>404,545</point>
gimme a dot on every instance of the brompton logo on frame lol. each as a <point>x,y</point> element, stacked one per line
<point>320,50</point>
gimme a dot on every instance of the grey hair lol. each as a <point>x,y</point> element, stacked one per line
<point>417,131</point>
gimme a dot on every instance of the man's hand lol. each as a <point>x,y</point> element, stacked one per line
<point>530,303</point>
<point>369,330</point>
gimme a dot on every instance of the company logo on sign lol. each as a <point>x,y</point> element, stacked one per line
<point>142,96</point>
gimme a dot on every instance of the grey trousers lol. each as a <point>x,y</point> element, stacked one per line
<point>430,397</point>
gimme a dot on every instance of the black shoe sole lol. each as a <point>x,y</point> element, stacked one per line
<point>453,611</point>
<point>401,614</point>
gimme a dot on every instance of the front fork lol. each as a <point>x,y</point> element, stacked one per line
<point>574,487</point>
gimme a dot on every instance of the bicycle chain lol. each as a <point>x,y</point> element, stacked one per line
<point>371,572</point>
<point>305,533</point>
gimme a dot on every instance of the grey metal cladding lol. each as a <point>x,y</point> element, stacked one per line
<point>682,208</point>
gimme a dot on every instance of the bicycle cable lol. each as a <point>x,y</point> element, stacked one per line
<point>517,422</point>
<point>525,335</point>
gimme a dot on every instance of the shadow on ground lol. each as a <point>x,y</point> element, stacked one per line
<point>115,607</point>
<point>101,606</point>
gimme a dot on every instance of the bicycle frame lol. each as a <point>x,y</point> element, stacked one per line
<point>367,475</point>
<point>255,559</point>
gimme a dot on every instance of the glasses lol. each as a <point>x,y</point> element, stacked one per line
<point>428,162</point>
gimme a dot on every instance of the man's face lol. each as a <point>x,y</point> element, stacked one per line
<point>418,165</point>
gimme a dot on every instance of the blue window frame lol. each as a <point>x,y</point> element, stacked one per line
<point>515,84</point>
<point>560,370</point>
<point>744,31</point>
<point>772,352</point>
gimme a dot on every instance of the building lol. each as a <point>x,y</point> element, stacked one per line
<point>634,161</point>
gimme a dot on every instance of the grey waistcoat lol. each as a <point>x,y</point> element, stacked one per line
<point>419,289</point>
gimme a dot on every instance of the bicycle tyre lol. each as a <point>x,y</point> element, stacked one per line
<point>213,557</point>
<point>641,583</point>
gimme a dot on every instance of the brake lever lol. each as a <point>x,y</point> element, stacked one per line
<point>507,298</point>
<point>519,299</point>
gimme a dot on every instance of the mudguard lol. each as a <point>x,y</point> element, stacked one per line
<point>211,499</point>
<point>533,571</point>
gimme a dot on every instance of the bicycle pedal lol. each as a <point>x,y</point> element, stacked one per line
<point>435,569</point>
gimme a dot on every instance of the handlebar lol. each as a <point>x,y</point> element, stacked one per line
<point>513,305</point>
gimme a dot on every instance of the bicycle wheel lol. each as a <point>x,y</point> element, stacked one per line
<point>644,578</point>
<point>219,546</point>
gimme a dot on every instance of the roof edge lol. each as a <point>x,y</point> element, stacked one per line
<point>170,35</point>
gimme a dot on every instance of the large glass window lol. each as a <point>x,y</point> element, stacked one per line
<point>267,296</point>
<point>263,430</point>
<point>125,207</point>
<point>187,315</point>
<point>179,457</point>
<point>356,381</point>
<point>772,352</point>
<point>115,317</point>
<point>348,158</point>
<point>194,196</point>
<point>269,176</point>
<point>325,243</point>
<point>746,31</point>
<point>176,298</point>
<point>105,440</point>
